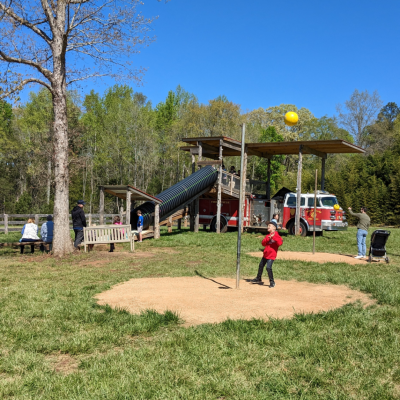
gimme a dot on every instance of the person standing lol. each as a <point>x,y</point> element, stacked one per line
<point>46,232</point>
<point>275,218</point>
<point>140,225</point>
<point>364,222</point>
<point>78,222</point>
<point>271,243</point>
<point>116,221</point>
<point>29,234</point>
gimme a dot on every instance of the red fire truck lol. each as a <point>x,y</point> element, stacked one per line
<point>259,209</point>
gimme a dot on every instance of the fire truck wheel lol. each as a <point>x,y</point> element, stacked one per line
<point>223,225</point>
<point>303,229</point>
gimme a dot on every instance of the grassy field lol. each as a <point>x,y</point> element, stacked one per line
<point>57,343</point>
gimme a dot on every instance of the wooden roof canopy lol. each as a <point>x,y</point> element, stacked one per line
<point>232,147</point>
<point>210,146</point>
<point>136,194</point>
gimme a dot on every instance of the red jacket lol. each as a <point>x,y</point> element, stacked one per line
<point>271,245</point>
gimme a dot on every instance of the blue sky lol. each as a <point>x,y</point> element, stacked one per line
<point>262,53</point>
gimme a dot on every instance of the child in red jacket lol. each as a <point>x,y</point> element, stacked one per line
<point>271,242</point>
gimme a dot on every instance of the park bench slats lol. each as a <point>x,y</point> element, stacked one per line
<point>105,234</point>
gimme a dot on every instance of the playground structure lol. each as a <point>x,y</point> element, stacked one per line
<point>227,192</point>
<point>211,196</point>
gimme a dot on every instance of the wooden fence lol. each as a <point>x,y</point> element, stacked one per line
<point>20,219</point>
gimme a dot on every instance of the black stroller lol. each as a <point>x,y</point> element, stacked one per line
<point>378,242</point>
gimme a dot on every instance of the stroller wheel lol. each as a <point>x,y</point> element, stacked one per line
<point>387,260</point>
<point>370,259</point>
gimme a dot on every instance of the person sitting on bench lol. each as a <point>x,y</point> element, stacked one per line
<point>29,234</point>
<point>46,232</point>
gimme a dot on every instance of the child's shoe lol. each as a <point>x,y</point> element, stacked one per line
<point>256,280</point>
<point>271,284</point>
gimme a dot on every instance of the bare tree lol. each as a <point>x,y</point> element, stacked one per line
<point>359,112</point>
<point>56,43</point>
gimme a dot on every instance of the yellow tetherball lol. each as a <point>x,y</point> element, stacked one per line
<point>291,118</point>
<point>336,207</point>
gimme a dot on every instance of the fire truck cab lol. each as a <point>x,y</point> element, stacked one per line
<point>326,219</point>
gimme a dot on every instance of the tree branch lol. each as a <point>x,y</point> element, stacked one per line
<point>85,77</point>
<point>8,11</point>
<point>48,12</point>
<point>33,64</point>
<point>21,86</point>
<point>87,17</point>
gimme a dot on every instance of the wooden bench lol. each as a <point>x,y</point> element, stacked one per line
<point>107,234</point>
<point>11,244</point>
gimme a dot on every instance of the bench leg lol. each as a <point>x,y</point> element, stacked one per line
<point>132,244</point>
<point>85,248</point>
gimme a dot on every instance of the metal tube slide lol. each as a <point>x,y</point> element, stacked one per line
<point>176,195</point>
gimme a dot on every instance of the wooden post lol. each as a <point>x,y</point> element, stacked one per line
<point>192,205</point>
<point>315,209</point>
<point>90,219</point>
<point>323,175</point>
<point>169,224</point>
<point>219,194</point>
<point>6,224</point>
<point>269,179</point>
<point>185,224</point>
<point>243,172</point>
<point>200,155</point>
<point>298,200</point>
<point>157,222</point>
<point>101,206</point>
<point>197,201</point>
<point>241,197</point>
<point>121,214</point>
<point>128,207</point>
<point>196,215</point>
<point>37,219</point>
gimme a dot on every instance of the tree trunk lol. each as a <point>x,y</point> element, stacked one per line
<point>48,182</point>
<point>62,241</point>
<point>62,244</point>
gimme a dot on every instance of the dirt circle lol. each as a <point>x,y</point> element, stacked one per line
<point>204,300</point>
<point>321,258</point>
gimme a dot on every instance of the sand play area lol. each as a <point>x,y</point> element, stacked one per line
<point>321,258</point>
<point>201,300</point>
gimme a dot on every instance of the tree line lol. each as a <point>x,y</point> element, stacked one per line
<point>120,137</point>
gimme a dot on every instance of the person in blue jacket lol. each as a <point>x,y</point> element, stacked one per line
<point>140,225</point>
<point>46,232</point>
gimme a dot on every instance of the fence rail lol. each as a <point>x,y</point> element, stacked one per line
<point>5,222</point>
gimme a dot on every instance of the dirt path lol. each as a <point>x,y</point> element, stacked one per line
<point>317,257</point>
<point>201,300</point>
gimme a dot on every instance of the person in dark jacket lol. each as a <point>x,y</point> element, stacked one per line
<point>78,222</point>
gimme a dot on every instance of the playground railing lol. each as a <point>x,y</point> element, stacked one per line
<point>232,183</point>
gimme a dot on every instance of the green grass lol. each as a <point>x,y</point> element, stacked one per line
<point>57,343</point>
